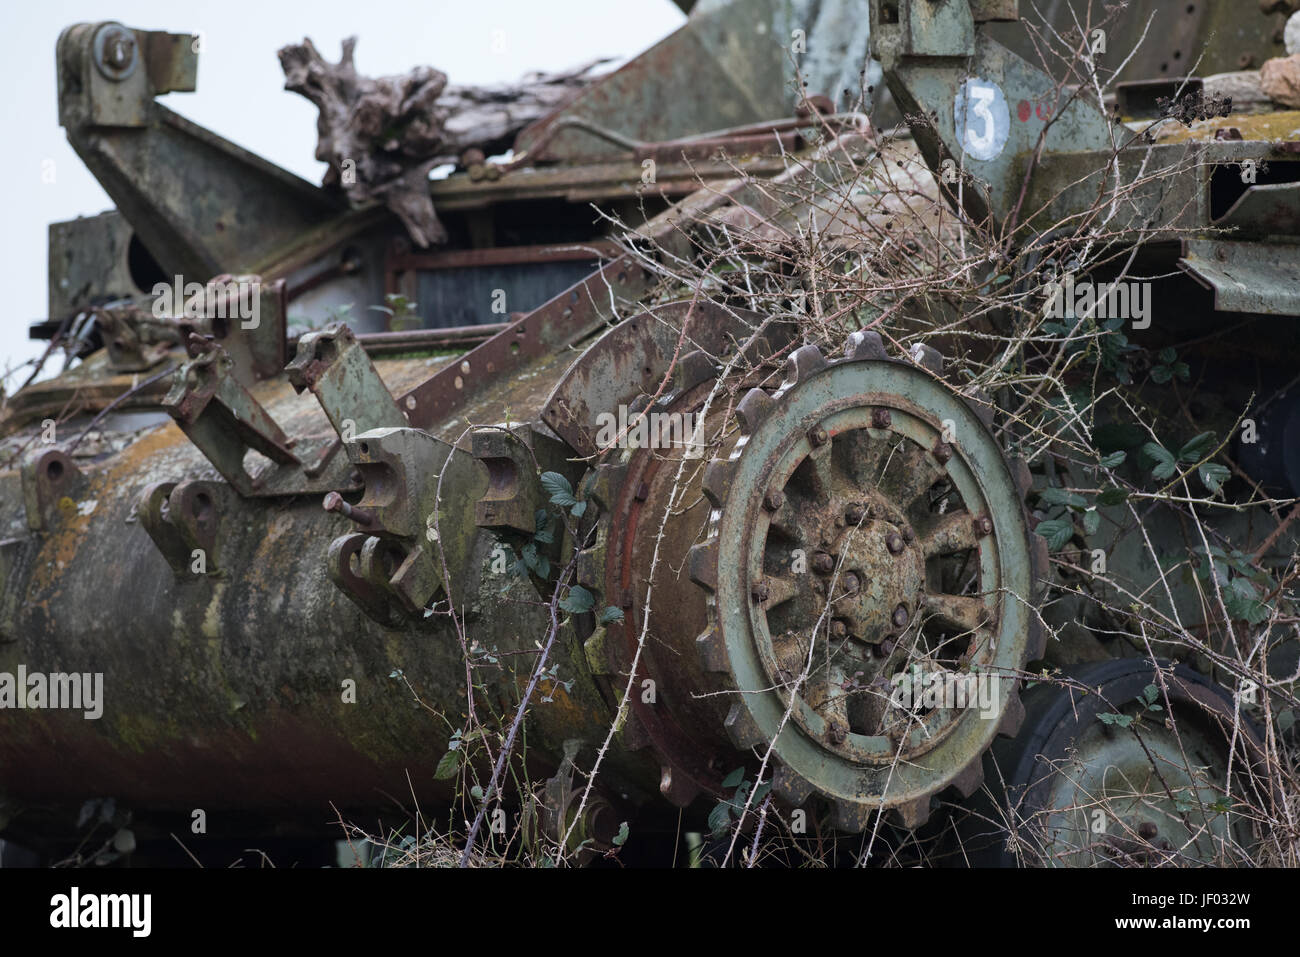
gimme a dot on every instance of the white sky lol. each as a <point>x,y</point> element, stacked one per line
<point>240,89</point>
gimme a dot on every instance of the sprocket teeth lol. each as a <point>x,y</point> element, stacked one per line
<point>676,786</point>
<point>927,357</point>
<point>712,651</point>
<point>1012,717</point>
<point>718,475</point>
<point>804,362</point>
<point>865,344</point>
<point>756,406</point>
<point>693,369</point>
<point>1040,562</point>
<point>591,566</point>
<point>849,817</point>
<point>741,729</point>
<point>702,562</point>
<point>980,403</point>
<point>969,778</point>
<point>1021,475</point>
<point>790,786</point>
<point>1036,646</point>
<point>604,487</point>
<point>912,814</point>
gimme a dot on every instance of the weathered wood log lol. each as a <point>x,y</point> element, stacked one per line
<point>381,136</point>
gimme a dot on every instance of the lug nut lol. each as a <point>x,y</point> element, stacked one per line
<point>983,526</point>
<point>838,628</point>
<point>886,647</point>
<point>1147,830</point>
<point>881,418</point>
<point>835,732</point>
<point>908,534</point>
<point>851,583</point>
<point>900,617</point>
<point>818,436</point>
<point>942,453</point>
<point>894,542</point>
<point>760,591</point>
<point>774,499</point>
<point>854,514</point>
<point>823,563</point>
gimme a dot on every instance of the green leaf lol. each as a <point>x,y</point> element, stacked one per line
<point>1161,374</point>
<point>733,779</point>
<point>476,792</point>
<point>1164,463</point>
<point>1114,460</point>
<point>611,614</point>
<point>621,837</point>
<point>1112,496</point>
<point>578,509</point>
<point>1057,531</point>
<point>448,766</point>
<point>1213,475</point>
<point>558,487</point>
<point>1121,720</point>
<point>1060,496</point>
<point>1167,355</point>
<point>1091,521</point>
<point>1285,721</point>
<point>578,600</point>
<point>720,819</point>
<point>1196,448</point>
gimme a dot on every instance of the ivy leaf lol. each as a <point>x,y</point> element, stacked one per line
<point>1057,531</point>
<point>558,487</point>
<point>611,614</point>
<point>733,779</point>
<point>621,837</point>
<point>448,766</point>
<point>578,600</point>
<point>1196,448</point>
<point>1213,475</point>
<point>1165,465</point>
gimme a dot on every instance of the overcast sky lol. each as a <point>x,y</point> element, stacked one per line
<point>240,89</point>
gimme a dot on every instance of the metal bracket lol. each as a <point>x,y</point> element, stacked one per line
<point>223,419</point>
<point>181,518</point>
<point>52,482</point>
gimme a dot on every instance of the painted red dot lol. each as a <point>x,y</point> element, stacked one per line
<point>1024,111</point>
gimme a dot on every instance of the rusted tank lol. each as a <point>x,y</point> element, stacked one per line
<point>304,552</point>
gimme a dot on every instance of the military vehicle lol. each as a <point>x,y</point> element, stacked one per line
<point>334,512</point>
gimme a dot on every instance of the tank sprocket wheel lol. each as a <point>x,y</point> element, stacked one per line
<point>866,532</point>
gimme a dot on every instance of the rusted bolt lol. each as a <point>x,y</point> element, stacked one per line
<point>851,583</point>
<point>823,563</point>
<point>854,514</point>
<point>760,591</point>
<point>1246,61</point>
<point>900,617</point>
<point>818,436</point>
<point>983,526</point>
<point>1147,830</point>
<point>774,499</point>
<point>881,418</point>
<point>838,628</point>
<point>334,503</point>
<point>117,51</point>
<point>908,534</point>
<point>887,647</point>
<point>942,453</point>
<point>835,733</point>
<point>894,542</point>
